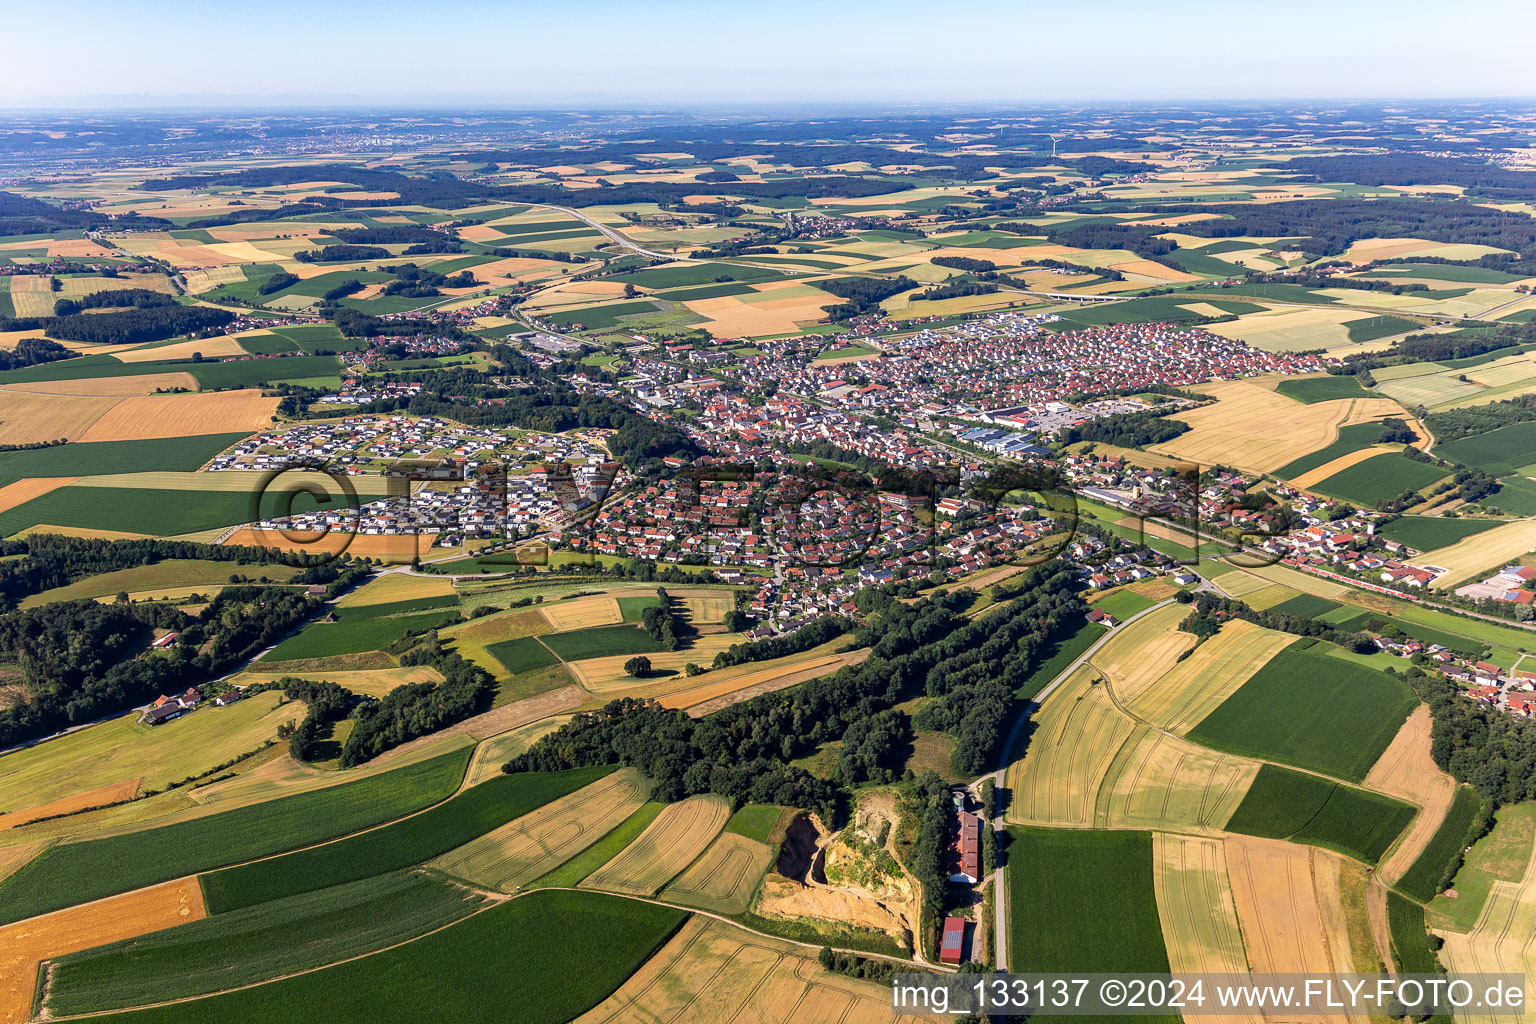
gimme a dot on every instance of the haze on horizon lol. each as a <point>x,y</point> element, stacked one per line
<point>599,52</point>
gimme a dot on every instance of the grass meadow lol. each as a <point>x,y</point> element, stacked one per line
<point>74,873</point>
<point>411,841</point>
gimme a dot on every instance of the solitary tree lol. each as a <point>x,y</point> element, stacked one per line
<point>639,666</point>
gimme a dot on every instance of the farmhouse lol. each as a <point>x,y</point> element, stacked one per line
<point>965,849</point>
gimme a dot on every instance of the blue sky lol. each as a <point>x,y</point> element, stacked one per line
<point>639,53</point>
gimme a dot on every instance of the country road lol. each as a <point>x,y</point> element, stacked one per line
<point>999,877</point>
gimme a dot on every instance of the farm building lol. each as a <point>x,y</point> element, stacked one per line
<point>952,946</point>
<point>965,849</point>
<point>162,713</point>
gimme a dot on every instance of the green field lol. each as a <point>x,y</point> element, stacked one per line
<point>1323,389</point>
<point>1064,651</point>
<point>266,346</point>
<point>1410,940</point>
<point>1516,496</point>
<point>72,873</point>
<point>601,642</point>
<point>1421,880</point>
<point>1123,604</point>
<point>1096,912</point>
<point>210,375</point>
<point>1166,308</point>
<point>1372,327</point>
<point>1303,709</point>
<point>1306,606</point>
<point>543,958</point>
<point>170,573</point>
<point>1350,439</point>
<point>633,608</point>
<point>1425,533</point>
<point>1380,478</point>
<point>407,842</point>
<point>353,635</point>
<point>1286,804</point>
<point>524,654</point>
<point>354,612</point>
<point>96,458</point>
<point>1499,452</point>
<point>161,513</point>
<point>596,317</point>
<point>696,274</point>
<point>1443,272</point>
<point>258,943</point>
<point>755,821</point>
<point>706,291</point>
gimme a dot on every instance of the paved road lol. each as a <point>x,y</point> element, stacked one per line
<point>999,877</point>
<point>612,234</point>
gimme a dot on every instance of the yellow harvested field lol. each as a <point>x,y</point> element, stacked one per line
<point>680,833</point>
<point>1481,552</point>
<point>1313,477</point>
<point>1180,698</point>
<point>1291,330</point>
<point>23,491</point>
<point>372,682</point>
<point>707,606</point>
<point>209,348</point>
<point>758,680</point>
<point>606,676</point>
<point>540,841</point>
<point>1246,581</point>
<point>142,384</point>
<point>8,339</point>
<point>492,753</point>
<point>1405,770</point>
<point>1254,428</point>
<point>1157,781</point>
<point>147,416</point>
<point>1196,908</point>
<point>14,858</point>
<point>27,417</point>
<point>1277,888</point>
<point>1090,765</point>
<point>712,972</point>
<point>598,610</point>
<point>109,794</point>
<point>724,878</point>
<point>1144,651</point>
<point>77,248</point>
<point>1368,249</point>
<point>397,586</point>
<point>728,316</point>
<point>393,549</point>
<point>27,943</point>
